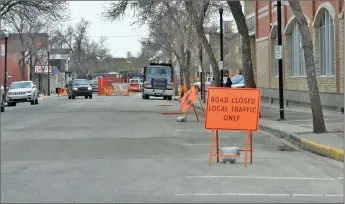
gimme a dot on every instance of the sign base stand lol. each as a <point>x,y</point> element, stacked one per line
<point>249,142</point>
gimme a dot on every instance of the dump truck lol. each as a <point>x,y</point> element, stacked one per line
<point>158,81</point>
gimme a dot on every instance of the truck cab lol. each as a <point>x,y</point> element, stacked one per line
<point>158,81</point>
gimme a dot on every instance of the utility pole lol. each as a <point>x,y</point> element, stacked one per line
<point>48,75</point>
<point>5,75</point>
<point>221,63</point>
<point>279,56</point>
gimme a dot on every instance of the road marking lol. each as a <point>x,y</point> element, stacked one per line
<point>261,194</point>
<point>268,177</point>
<point>186,144</point>
<point>191,130</point>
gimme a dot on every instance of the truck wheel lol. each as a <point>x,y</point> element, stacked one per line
<point>169,98</point>
<point>86,97</point>
<point>73,97</point>
<point>90,97</point>
<point>146,96</point>
<point>32,102</point>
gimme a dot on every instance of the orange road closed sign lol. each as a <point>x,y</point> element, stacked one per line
<point>232,109</point>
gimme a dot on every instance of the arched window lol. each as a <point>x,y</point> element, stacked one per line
<point>326,37</point>
<point>297,54</point>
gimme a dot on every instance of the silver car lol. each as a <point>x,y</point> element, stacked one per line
<point>94,85</point>
<point>22,91</point>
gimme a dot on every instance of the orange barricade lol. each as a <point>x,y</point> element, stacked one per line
<point>63,92</point>
<point>104,87</point>
<point>232,109</point>
<point>188,100</point>
<point>60,91</point>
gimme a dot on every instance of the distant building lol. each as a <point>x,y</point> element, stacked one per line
<point>34,48</point>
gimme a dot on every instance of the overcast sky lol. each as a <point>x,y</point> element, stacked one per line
<point>122,37</point>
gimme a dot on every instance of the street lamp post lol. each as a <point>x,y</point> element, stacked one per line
<point>221,46</point>
<point>280,61</point>
<point>201,74</point>
<point>5,75</point>
<point>48,75</point>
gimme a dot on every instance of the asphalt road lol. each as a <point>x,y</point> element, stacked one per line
<point>122,149</point>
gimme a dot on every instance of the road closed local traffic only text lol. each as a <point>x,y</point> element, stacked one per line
<point>232,109</point>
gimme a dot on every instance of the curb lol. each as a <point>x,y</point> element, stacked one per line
<point>43,98</point>
<point>319,149</point>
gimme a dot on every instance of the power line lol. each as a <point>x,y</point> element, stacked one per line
<point>117,36</point>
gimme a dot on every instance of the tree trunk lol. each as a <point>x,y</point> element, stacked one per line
<point>247,68</point>
<point>315,101</point>
<point>199,25</point>
<point>187,69</point>
<point>22,66</point>
<point>32,69</point>
<point>210,54</point>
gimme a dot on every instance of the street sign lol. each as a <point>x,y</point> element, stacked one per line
<point>278,50</point>
<point>2,49</point>
<point>221,65</point>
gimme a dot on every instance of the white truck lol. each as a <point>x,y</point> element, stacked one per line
<point>158,81</point>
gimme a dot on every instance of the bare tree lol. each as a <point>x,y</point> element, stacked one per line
<point>170,28</point>
<point>315,101</point>
<point>27,31</point>
<point>85,51</point>
<point>57,10</point>
<point>198,11</point>
<point>247,64</point>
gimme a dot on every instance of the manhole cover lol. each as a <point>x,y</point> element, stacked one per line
<point>286,148</point>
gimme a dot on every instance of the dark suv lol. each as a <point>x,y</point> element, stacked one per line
<point>79,87</point>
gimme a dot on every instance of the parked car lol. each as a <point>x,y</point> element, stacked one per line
<point>2,99</point>
<point>206,84</point>
<point>79,87</point>
<point>22,91</point>
<point>237,81</point>
<point>94,85</point>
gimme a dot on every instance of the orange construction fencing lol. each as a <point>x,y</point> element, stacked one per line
<point>107,88</point>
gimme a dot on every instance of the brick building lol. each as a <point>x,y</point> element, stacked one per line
<point>326,23</point>
<point>12,64</point>
<point>24,43</point>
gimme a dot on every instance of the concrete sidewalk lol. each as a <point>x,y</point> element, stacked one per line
<point>46,97</point>
<point>298,128</point>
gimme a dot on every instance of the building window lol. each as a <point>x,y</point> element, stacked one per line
<point>297,54</point>
<point>326,37</point>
